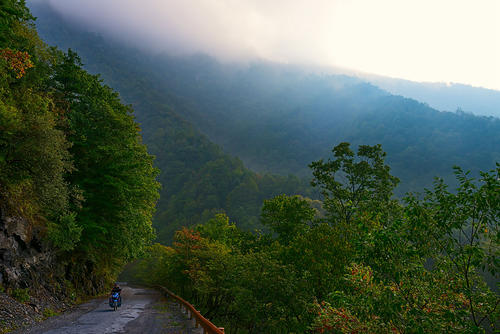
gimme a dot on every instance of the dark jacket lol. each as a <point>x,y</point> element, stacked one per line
<point>116,289</point>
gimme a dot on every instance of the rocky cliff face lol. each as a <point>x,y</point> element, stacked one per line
<point>32,283</point>
<point>23,260</point>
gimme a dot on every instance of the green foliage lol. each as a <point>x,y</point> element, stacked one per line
<point>113,169</point>
<point>33,150</point>
<point>71,157</point>
<point>65,234</point>
<point>463,237</point>
<point>352,186</point>
<point>279,118</point>
<point>288,216</point>
<point>424,271</point>
<point>155,268</point>
<point>48,312</point>
<point>11,13</point>
<point>219,228</point>
<point>320,255</point>
<point>21,295</point>
<point>390,267</point>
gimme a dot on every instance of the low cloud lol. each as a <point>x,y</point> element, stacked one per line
<point>281,30</point>
<point>448,40</point>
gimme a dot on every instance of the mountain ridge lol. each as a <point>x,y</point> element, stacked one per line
<point>277,118</point>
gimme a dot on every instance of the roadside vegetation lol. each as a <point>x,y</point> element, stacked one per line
<point>372,264</point>
<point>71,157</point>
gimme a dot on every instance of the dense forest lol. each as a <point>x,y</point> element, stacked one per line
<point>369,264</point>
<point>275,118</point>
<point>278,118</point>
<point>198,179</point>
<point>72,161</point>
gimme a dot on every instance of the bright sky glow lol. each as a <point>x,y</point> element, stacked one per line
<point>420,40</point>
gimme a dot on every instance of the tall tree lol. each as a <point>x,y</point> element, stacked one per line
<point>352,184</point>
<point>114,172</point>
<point>288,216</point>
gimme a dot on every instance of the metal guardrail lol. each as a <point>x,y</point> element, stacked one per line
<point>208,327</point>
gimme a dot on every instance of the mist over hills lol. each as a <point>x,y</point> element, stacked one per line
<point>198,179</point>
<point>444,96</point>
<point>275,118</point>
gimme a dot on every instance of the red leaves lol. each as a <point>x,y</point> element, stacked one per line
<point>17,61</point>
<point>187,240</point>
<point>336,320</point>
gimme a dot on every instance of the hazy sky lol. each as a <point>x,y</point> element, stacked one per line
<point>422,40</point>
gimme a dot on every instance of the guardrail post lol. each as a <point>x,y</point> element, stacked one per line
<point>191,312</point>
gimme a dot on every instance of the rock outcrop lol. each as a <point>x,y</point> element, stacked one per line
<point>24,262</point>
<point>27,268</point>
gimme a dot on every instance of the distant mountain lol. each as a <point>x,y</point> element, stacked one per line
<point>198,179</point>
<point>443,96</point>
<point>279,118</point>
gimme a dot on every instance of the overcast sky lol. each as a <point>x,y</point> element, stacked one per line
<point>421,40</point>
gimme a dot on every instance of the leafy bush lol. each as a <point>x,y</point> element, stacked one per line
<point>66,233</point>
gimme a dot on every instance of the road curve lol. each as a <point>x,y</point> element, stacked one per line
<point>142,311</point>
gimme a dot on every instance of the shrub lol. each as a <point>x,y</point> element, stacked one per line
<point>48,312</point>
<point>21,295</point>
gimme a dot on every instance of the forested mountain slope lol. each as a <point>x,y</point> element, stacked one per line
<point>444,96</point>
<point>197,177</point>
<point>279,118</point>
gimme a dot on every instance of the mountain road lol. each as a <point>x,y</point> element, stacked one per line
<point>142,311</point>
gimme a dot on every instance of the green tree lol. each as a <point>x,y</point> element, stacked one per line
<point>34,154</point>
<point>424,271</point>
<point>287,216</point>
<point>12,13</point>
<point>462,230</point>
<point>351,184</point>
<point>219,229</point>
<point>113,169</point>
<point>71,158</point>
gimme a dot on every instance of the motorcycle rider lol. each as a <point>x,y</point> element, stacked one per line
<point>116,288</point>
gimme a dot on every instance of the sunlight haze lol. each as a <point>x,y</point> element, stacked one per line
<point>426,40</point>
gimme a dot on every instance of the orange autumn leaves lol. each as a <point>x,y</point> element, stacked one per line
<point>17,61</point>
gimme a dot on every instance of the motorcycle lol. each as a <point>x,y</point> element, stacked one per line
<point>115,301</point>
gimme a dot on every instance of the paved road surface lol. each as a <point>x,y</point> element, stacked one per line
<point>142,311</point>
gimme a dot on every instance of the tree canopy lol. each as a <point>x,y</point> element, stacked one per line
<point>72,161</point>
<point>425,264</point>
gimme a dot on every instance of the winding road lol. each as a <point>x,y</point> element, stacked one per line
<point>142,311</point>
